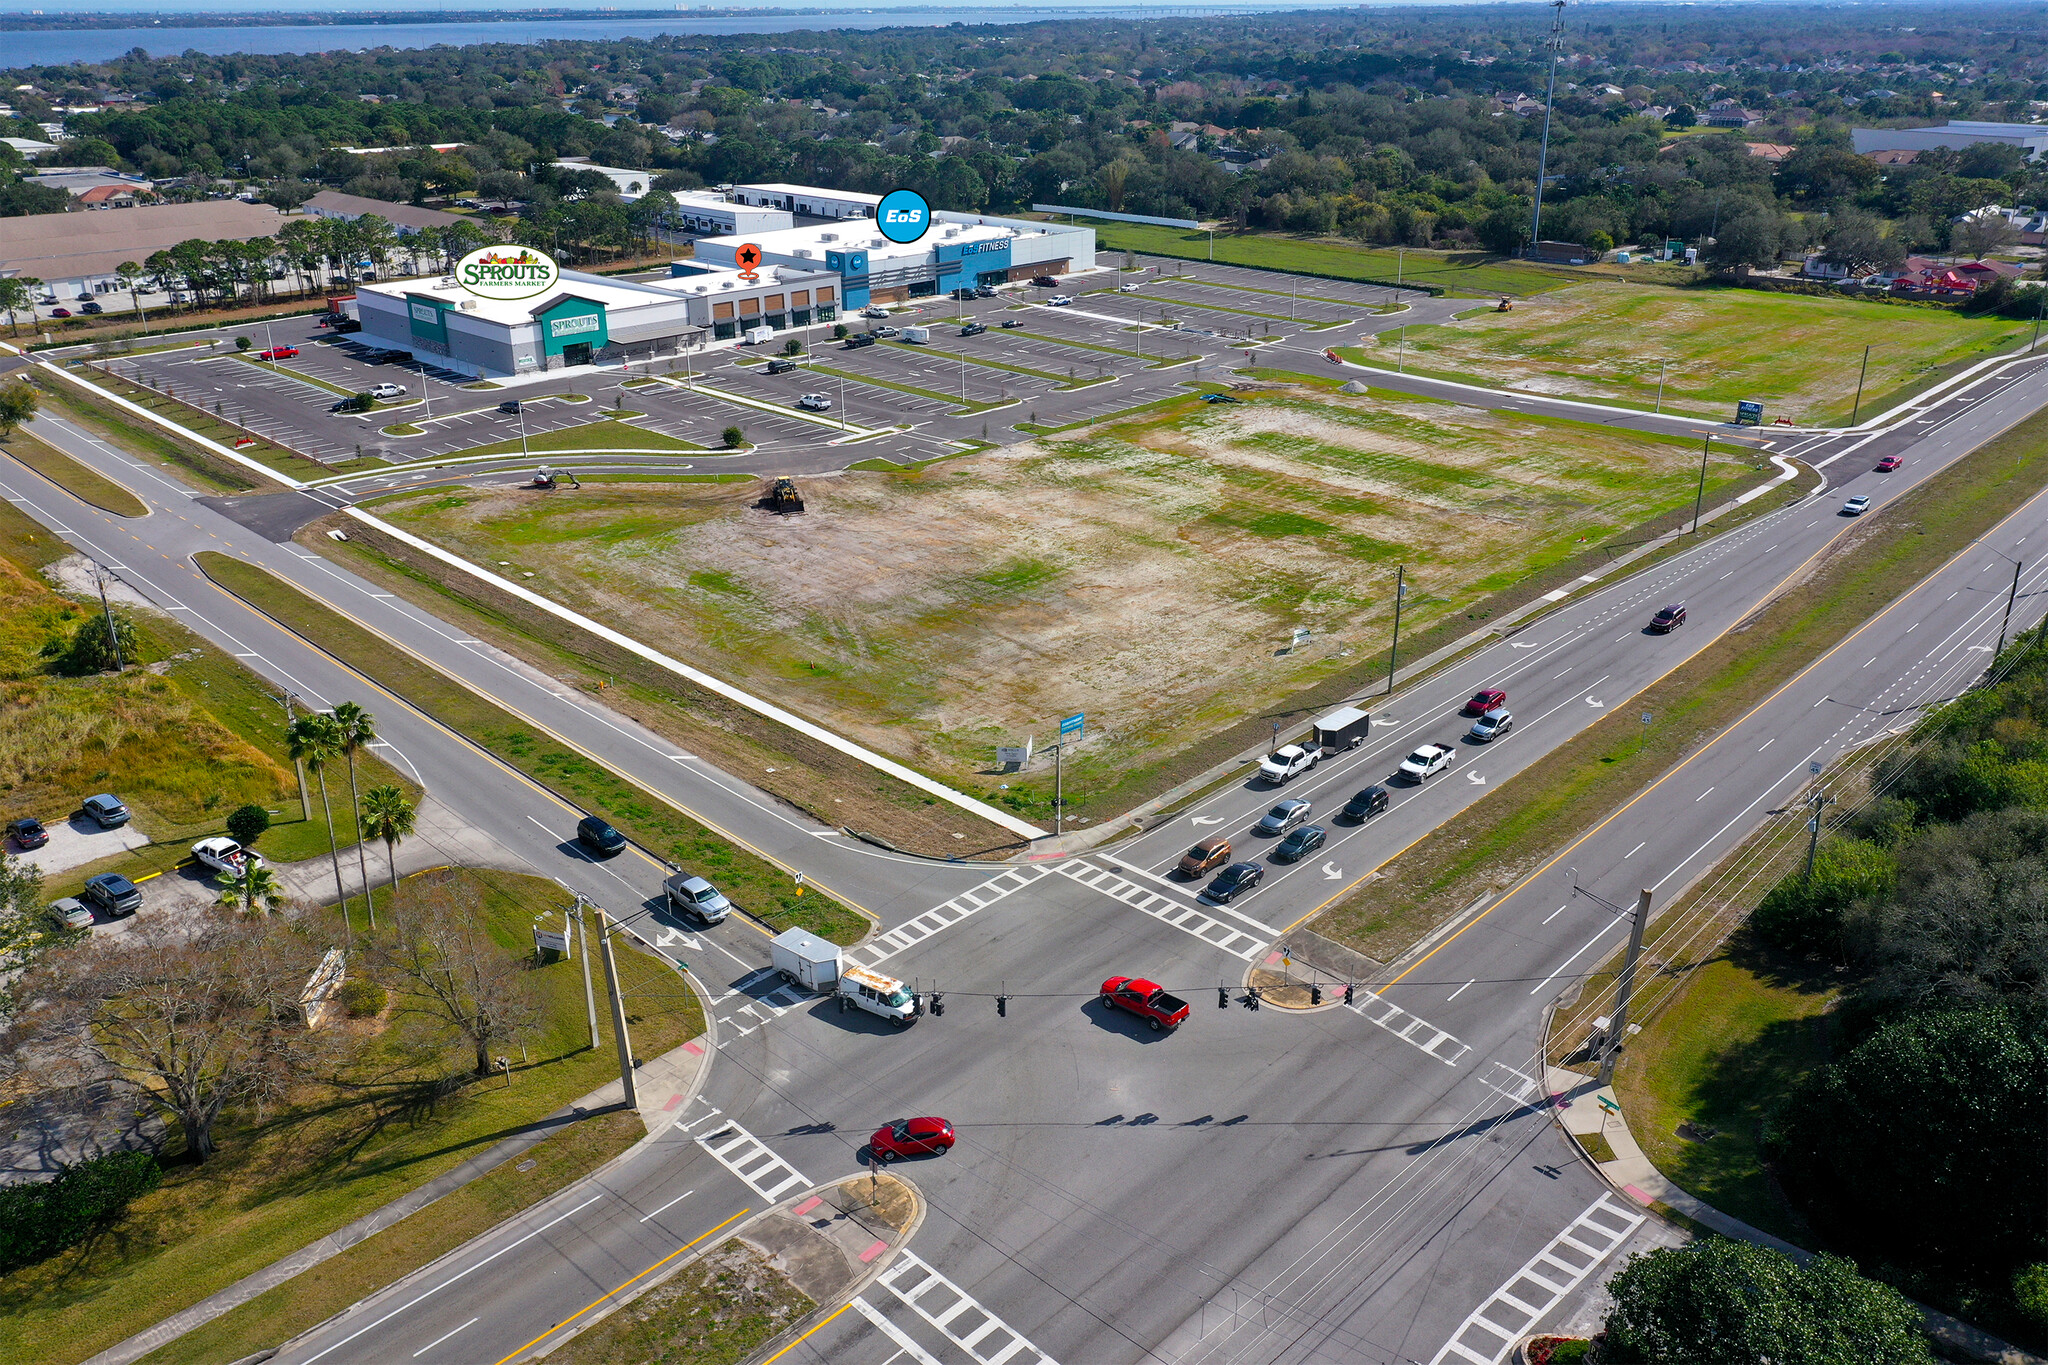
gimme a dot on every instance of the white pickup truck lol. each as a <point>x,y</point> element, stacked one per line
<point>223,854</point>
<point>1288,761</point>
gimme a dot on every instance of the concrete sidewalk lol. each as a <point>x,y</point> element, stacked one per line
<point>665,1086</point>
<point>1587,1110</point>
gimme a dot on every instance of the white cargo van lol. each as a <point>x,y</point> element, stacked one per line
<point>862,989</point>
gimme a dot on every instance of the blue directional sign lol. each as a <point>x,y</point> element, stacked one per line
<point>903,215</point>
<point>1071,725</point>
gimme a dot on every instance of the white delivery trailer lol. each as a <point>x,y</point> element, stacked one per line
<point>804,959</point>
<point>862,989</point>
<point>920,335</point>
<point>757,335</point>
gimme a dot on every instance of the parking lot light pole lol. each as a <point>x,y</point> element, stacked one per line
<point>1664,368</point>
<point>1864,370</point>
<point>842,402</point>
<point>524,453</point>
<point>1394,654</point>
<point>1700,494</point>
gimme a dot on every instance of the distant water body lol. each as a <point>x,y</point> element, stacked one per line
<point>57,47</point>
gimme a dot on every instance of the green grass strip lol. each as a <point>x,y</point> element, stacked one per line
<point>751,881</point>
<point>86,484</point>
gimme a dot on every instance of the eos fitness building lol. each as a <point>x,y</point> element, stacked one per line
<point>519,314</point>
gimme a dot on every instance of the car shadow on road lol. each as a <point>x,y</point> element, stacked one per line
<point>1113,1020</point>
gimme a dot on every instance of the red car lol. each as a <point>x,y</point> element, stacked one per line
<point>1888,464</point>
<point>1146,999</point>
<point>278,353</point>
<point>911,1137</point>
<point>60,312</point>
<point>1490,700</point>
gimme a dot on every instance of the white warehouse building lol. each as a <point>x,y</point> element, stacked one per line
<point>808,199</point>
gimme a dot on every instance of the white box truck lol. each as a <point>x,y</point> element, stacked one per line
<point>920,335</point>
<point>861,989</point>
<point>804,959</point>
<point>757,335</point>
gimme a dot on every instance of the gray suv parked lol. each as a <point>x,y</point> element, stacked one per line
<point>113,893</point>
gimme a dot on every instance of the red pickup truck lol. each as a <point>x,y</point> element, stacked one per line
<point>1147,1000</point>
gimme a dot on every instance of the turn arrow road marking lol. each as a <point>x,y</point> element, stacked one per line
<point>1333,872</point>
<point>1206,820</point>
<point>1601,704</point>
<point>1474,778</point>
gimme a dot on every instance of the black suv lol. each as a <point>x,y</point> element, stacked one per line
<point>113,893</point>
<point>781,366</point>
<point>1366,804</point>
<point>598,837</point>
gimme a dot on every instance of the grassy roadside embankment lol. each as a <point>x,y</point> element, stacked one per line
<point>86,484</point>
<point>1515,828</point>
<point>387,1120</point>
<point>754,883</point>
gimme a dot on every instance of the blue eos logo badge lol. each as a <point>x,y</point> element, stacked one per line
<point>903,216</point>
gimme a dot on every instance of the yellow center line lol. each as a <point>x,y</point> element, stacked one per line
<point>802,1339</point>
<point>627,1285</point>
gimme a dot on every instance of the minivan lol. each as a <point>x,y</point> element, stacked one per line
<point>599,837</point>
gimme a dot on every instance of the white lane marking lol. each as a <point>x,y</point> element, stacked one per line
<point>438,1340</point>
<point>1634,851</point>
<point>894,1333</point>
<point>953,1306</point>
<point>1703,796</point>
<point>669,1205</point>
<point>912,932</point>
<point>453,1278</point>
<point>1542,1283</point>
<point>1417,1032</point>
<point>1460,991</point>
<point>753,1163</point>
<point>1555,913</point>
<point>1767,743</point>
<point>1576,956</point>
<point>1188,920</point>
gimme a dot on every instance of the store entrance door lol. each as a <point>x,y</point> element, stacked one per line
<point>576,353</point>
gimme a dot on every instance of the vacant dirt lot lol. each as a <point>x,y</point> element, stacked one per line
<point>1149,573</point>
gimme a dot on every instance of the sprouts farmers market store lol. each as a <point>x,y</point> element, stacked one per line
<point>588,319</point>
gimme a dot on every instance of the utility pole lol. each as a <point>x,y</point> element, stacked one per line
<point>611,985</point>
<point>589,995</point>
<point>305,801</point>
<point>1549,101</point>
<point>1059,790</point>
<point>1857,411</point>
<point>2010,598</point>
<point>1700,495</point>
<point>1663,368</point>
<point>1394,654</point>
<point>1618,1029</point>
<point>100,575</point>
<point>1820,801</point>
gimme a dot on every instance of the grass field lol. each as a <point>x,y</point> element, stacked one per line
<point>718,1310</point>
<point>1466,272</point>
<point>1164,562</point>
<point>754,884</point>
<point>1800,355</point>
<point>1749,1026</point>
<point>295,1173</point>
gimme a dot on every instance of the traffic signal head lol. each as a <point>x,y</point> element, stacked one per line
<point>1002,1007</point>
<point>938,1004</point>
<point>1222,997</point>
<point>1350,993</point>
<point>1315,994</point>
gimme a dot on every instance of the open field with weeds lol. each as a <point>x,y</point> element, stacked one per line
<point>1465,272</point>
<point>1148,571</point>
<point>394,1109</point>
<point>1797,354</point>
<point>184,738</point>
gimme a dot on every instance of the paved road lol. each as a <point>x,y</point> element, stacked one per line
<point>1366,1176</point>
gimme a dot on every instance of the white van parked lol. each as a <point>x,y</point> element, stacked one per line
<point>862,989</point>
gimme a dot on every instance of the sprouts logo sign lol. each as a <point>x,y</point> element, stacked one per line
<point>507,272</point>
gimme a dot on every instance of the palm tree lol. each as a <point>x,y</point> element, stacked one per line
<point>257,886</point>
<point>130,274</point>
<point>314,740</point>
<point>387,815</point>
<point>357,728</point>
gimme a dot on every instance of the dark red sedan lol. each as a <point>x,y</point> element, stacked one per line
<point>1481,703</point>
<point>1888,464</point>
<point>911,1137</point>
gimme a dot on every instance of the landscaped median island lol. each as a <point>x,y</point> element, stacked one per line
<point>1799,355</point>
<point>1514,828</point>
<point>82,482</point>
<point>382,1098</point>
<point>1149,571</point>
<point>760,888</point>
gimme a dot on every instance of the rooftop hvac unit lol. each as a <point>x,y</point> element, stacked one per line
<point>826,237</point>
<point>468,305</point>
<point>446,282</point>
<point>952,232</point>
<point>725,284</point>
<point>803,251</point>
